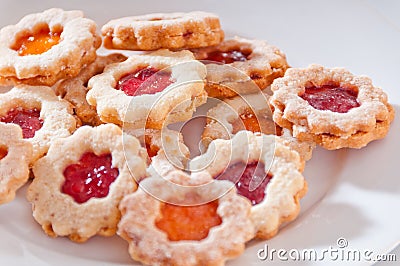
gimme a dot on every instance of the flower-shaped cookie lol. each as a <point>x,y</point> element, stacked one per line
<point>80,182</point>
<point>167,140</point>
<point>42,116</point>
<point>249,112</point>
<point>264,170</point>
<point>149,90</point>
<point>15,157</point>
<point>203,222</point>
<point>331,106</point>
<point>45,47</point>
<point>75,89</point>
<point>157,31</point>
<point>243,61</point>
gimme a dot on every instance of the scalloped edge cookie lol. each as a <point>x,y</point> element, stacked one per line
<point>150,245</point>
<point>331,130</point>
<point>284,190</point>
<point>166,141</point>
<point>57,114</point>
<point>264,63</point>
<point>58,213</point>
<point>14,166</point>
<point>77,48</point>
<point>74,90</point>
<point>222,122</point>
<point>175,103</point>
<point>163,30</point>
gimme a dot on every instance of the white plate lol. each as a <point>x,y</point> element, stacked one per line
<point>353,194</point>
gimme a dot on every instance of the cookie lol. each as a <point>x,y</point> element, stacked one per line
<point>168,141</point>
<point>15,157</point>
<point>249,112</point>
<point>201,223</point>
<point>264,170</point>
<point>45,47</point>
<point>42,116</point>
<point>331,106</point>
<point>162,30</point>
<point>235,65</point>
<point>80,182</point>
<point>74,90</point>
<point>150,90</point>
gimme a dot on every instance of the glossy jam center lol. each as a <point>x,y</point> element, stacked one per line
<point>144,81</point>
<point>188,222</point>
<point>249,121</point>
<point>227,57</point>
<point>28,120</point>
<point>90,177</point>
<point>3,152</point>
<point>37,43</point>
<point>250,180</point>
<point>331,97</point>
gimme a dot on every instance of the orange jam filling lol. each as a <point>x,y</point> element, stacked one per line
<point>152,150</point>
<point>188,222</point>
<point>37,43</point>
<point>3,152</point>
<point>250,122</point>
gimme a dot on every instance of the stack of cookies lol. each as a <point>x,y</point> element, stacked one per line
<point>92,131</point>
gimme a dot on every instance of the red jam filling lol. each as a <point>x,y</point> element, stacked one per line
<point>90,177</point>
<point>188,222</point>
<point>331,97</point>
<point>37,43</point>
<point>250,180</point>
<point>227,57</point>
<point>132,83</point>
<point>3,152</point>
<point>28,120</point>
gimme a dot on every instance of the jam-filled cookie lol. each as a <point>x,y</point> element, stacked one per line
<point>42,116</point>
<point>45,47</point>
<point>166,140</point>
<point>157,31</point>
<point>264,170</point>
<point>15,157</point>
<point>333,107</point>
<point>197,222</point>
<point>80,182</point>
<point>234,64</point>
<point>249,112</point>
<point>149,90</point>
<point>75,89</point>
